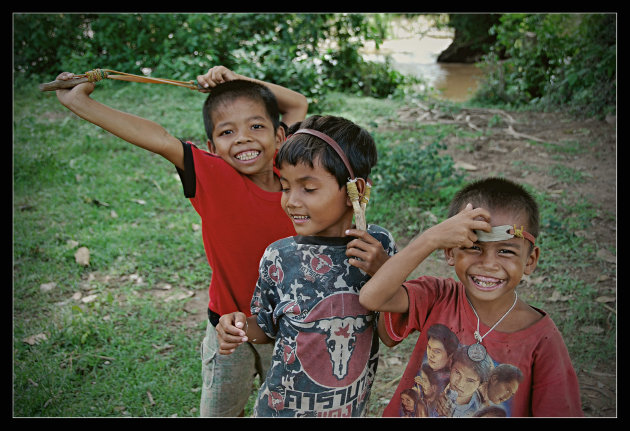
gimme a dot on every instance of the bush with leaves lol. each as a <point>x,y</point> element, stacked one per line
<point>415,168</point>
<point>310,53</point>
<point>554,61</point>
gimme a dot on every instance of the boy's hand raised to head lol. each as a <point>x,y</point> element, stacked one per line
<point>215,76</point>
<point>459,230</point>
<point>365,252</point>
<point>384,291</point>
<point>292,105</point>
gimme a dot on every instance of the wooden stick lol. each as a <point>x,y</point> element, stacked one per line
<point>359,216</point>
<point>359,213</point>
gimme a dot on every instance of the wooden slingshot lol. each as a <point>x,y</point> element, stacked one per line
<point>359,201</point>
<point>100,74</point>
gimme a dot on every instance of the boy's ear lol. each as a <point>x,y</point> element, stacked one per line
<point>211,147</point>
<point>450,256</point>
<point>360,187</point>
<point>280,136</point>
<point>532,261</point>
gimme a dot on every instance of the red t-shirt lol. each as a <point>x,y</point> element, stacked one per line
<point>238,221</point>
<point>549,385</point>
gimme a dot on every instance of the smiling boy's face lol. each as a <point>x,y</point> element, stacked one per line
<point>492,270</point>
<point>311,197</point>
<point>244,137</point>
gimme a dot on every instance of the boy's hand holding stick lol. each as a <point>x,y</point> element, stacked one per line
<point>100,74</point>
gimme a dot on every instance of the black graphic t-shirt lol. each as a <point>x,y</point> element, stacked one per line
<point>326,348</point>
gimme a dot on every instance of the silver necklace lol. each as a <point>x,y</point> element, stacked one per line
<point>477,352</point>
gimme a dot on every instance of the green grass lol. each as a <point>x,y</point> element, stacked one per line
<point>77,186</point>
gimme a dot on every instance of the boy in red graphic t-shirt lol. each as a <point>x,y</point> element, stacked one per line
<point>511,359</point>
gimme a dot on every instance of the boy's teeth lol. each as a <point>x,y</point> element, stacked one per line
<point>486,281</point>
<point>300,217</point>
<point>247,155</point>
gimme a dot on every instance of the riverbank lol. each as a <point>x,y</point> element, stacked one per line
<point>413,48</point>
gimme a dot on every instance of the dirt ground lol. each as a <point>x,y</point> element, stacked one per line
<point>506,147</point>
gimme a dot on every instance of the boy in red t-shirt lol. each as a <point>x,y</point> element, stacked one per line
<point>236,191</point>
<point>490,240</point>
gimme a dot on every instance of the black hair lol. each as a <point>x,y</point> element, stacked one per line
<point>231,90</point>
<point>445,335</point>
<point>507,373</point>
<point>432,376</point>
<point>498,193</point>
<point>356,143</point>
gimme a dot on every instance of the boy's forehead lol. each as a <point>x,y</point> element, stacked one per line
<point>245,106</point>
<point>301,174</point>
<point>503,216</point>
<point>303,169</point>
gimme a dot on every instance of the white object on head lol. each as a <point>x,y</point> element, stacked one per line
<point>499,233</point>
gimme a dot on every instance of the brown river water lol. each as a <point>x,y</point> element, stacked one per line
<point>416,54</point>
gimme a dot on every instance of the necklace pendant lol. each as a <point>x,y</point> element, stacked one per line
<point>476,352</point>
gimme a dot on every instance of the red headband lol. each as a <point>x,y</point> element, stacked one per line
<point>330,141</point>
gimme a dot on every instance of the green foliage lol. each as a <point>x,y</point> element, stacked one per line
<point>76,185</point>
<point>411,167</point>
<point>555,62</point>
<point>413,182</point>
<point>309,53</point>
<point>104,359</point>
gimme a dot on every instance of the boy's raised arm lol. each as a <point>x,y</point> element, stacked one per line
<point>133,129</point>
<point>292,105</point>
<point>384,291</point>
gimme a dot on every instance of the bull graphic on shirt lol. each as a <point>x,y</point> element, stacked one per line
<point>340,335</point>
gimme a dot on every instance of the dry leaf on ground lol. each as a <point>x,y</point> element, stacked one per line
<point>82,256</point>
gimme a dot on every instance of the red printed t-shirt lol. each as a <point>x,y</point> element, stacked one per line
<point>238,221</point>
<point>549,386</point>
